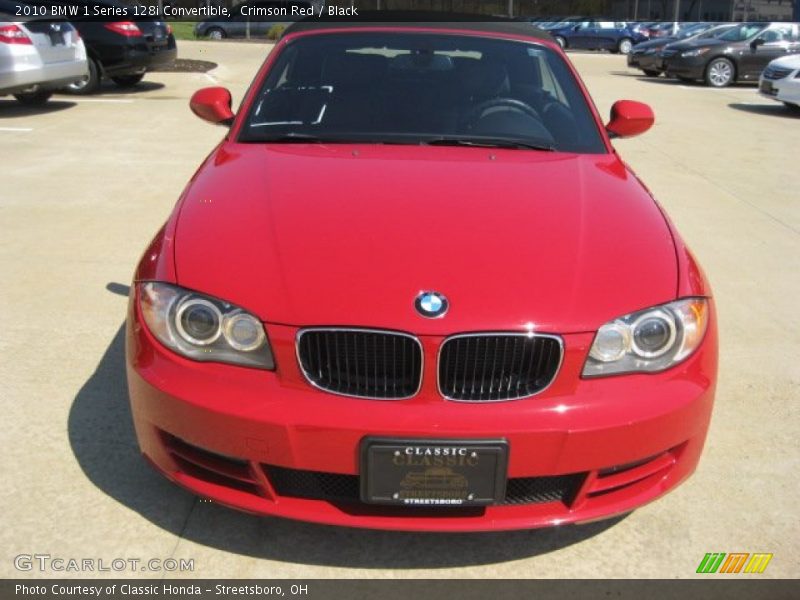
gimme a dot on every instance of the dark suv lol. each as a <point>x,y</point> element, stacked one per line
<point>737,55</point>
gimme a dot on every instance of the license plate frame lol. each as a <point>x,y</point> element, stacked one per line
<point>433,473</point>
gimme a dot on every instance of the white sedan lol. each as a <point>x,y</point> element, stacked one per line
<point>38,57</point>
<point>780,81</point>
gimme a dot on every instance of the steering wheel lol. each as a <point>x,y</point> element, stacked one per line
<point>512,103</point>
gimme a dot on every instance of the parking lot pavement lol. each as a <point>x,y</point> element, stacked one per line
<point>87,181</point>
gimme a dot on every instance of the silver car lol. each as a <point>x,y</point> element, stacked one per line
<point>37,57</point>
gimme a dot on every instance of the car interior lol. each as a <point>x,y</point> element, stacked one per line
<point>504,90</point>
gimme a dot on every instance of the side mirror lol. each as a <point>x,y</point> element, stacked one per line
<point>213,104</point>
<point>629,118</point>
<point>757,42</point>
<point>576,28</point>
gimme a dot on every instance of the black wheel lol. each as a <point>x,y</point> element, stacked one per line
<point>792,107</point>
<point>127,80</point>
<point>720,73</point>
<point>651,73</point>
<point>215,33</point>
<point>561,41</point>
<point>90,83</point>
<point>33,98</point>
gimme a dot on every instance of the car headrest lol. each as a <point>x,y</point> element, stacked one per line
<point>486,78</point>
<point>353,69</point>
<point>422,62</point>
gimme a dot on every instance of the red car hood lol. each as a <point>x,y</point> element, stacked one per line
<point>349,235</point>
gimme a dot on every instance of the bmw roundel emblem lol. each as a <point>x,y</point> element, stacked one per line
<point>431,305</point>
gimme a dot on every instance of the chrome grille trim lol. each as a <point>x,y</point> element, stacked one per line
<point>496,334</point>
<point>387,332</point>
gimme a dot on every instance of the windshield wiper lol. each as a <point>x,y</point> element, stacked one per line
<point>301,138</point>
<point>294,137</point>
<point>481,142</point>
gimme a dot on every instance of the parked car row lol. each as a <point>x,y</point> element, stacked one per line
<point>39,55</point>
<point>719,56</point>
<point>647,55</point>
<point>589,33</point>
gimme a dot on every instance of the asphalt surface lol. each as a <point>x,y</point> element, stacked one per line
<point>85,183</point>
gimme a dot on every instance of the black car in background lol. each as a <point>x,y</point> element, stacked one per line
<point>645,56</point>
<point>121,48</point>
<point>739,54</point>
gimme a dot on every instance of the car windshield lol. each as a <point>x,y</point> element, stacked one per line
<point>742,32</point>
<point>715,32</point>
<point>691,30</point>
<point>422,88</point>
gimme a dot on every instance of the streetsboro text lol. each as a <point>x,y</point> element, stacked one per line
<point>165,589</point>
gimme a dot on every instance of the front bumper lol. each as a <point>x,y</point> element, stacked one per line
<point>41,76</point>
<point>138,57</point>
<point>224,432</point>
<point>650,62</point>
<point>781,90</point>
<point>692,67</point>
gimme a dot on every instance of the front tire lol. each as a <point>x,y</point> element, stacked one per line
<point>89,84</point>
<point>561,41</point>
<point>625,45</point>
<point>795,108</point>
<point>651,73</point>
<point>215,33</point>
<point>720,73</point>
<point>126,81</point>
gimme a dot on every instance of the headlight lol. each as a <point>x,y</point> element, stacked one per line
<point>649,340</point>
<point>697,52</point>
<point>204,328</point>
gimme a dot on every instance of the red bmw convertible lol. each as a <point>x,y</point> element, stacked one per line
<point>415,287</point>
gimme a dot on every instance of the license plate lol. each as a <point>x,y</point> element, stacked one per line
<point>57,38</point>
<point>433,472</point>
<point>766,87</point>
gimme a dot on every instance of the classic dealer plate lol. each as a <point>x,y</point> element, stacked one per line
<point>433,473</point>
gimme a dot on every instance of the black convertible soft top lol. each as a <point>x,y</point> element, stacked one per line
<point>439,20</point>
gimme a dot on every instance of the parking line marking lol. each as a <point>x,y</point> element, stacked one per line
<point>23,129</point>
<point>107,100</point>
<point>725,89</point>
<point>211,78</point>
